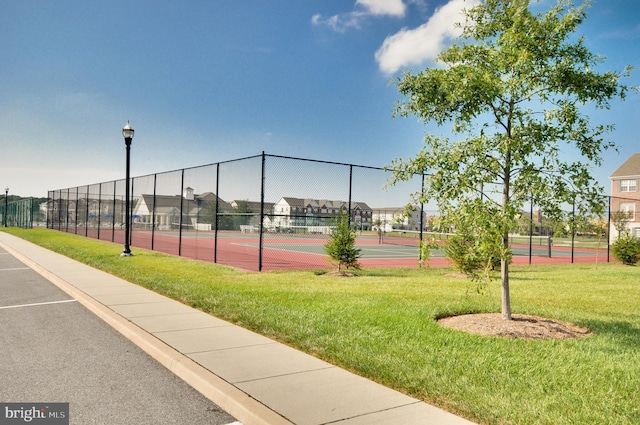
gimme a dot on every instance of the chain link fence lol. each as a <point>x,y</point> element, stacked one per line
<point>269,212</point>
<point>18,213</point>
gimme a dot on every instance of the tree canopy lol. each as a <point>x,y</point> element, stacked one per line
<point>514,88</point>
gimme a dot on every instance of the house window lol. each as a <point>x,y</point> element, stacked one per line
<point>630,209</point>
<point>628,185</point>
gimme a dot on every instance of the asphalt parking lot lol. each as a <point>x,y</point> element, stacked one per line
<point>52,349</point>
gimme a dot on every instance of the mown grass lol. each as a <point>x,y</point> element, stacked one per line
<point>381,325</point>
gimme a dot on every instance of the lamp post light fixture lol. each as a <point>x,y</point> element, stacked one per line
<point>127,133</point>
<point>6,205</point>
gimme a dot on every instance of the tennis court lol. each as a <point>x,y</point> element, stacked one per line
<point>272,212</point>
<point>282,251</point>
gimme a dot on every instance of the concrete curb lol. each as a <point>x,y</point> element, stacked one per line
<point>234,401</point>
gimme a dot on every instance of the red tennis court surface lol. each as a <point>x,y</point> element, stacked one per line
<point>304,252</point>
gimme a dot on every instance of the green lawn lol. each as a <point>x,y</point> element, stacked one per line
<point>381,325</point>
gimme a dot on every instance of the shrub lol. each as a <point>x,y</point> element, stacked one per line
<point>341,247</point>
<point>460,250</point>
<point>626,249</point>
<point>472,256</point>
<point>424,251</point>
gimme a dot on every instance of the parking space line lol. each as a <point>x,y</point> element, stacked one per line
<point>37,304</point>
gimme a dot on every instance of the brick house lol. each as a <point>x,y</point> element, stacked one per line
<point>625,193</point>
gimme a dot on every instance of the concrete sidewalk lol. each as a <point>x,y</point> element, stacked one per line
<point>253,378</point>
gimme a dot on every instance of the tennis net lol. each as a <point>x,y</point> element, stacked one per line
<point>412,237</point>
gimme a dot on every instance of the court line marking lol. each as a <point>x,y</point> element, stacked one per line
<point>15,268</point>
<point>37,304</point>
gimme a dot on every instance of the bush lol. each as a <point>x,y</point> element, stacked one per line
<point>460,250</point>
<point>473,257</point>
<point>341,247</point>
<point>626,249</point>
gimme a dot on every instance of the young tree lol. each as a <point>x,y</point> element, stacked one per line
<point>341,247</point>
<point>242,214</point>
<point>620,220</point>
<point>514,87</point>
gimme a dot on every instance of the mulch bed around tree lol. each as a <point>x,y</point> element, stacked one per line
<point>522,326</point>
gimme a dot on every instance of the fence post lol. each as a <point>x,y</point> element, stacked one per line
<point>99,211</point>
<point>55,209</point>
<point>217,200</point>
<point>350,187</point>
<point>46,220</point>
<point>86,216</point>
<point>181,212</point>
<point>531,230</point>
<point>153,213</point>
<point>130,212</point>
<point>573,228</point>
<point>422,210</point>
<point>75,220</point>
<point>261,243</point>
<point>113,216</point>
<point>66,225</point>
<point>52,213</point>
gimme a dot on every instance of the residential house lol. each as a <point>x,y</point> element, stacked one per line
<point>291,213</point>
<point>165,209</point>
<point>397,218</point>
<point>252,210</point>
<point>625,193</point>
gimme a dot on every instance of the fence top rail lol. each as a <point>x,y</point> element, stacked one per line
<point>226,162</point>
<point>258,156</point>
<point>326,162</point>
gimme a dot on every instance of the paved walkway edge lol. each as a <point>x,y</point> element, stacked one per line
<point>234,401</point>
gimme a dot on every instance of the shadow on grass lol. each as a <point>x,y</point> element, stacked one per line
<point>623,333</point>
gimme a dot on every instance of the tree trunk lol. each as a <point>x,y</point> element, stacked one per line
<point>504,263</point>
<point>504,272</point>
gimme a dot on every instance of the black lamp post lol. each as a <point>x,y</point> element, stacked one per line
<point>6,204</point>
<point>127,133</point>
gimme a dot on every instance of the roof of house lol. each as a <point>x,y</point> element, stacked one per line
<point>319,203</point>
<point>629,168</point>
<point>252,206</point>
<point>168,202</point>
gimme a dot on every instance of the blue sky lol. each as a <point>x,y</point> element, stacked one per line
<point>208,81</point>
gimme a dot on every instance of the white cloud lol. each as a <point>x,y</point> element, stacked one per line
<point>415,46</point>
<point>383,7</point>
<point>339,23</point>
<point>364,9</point>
